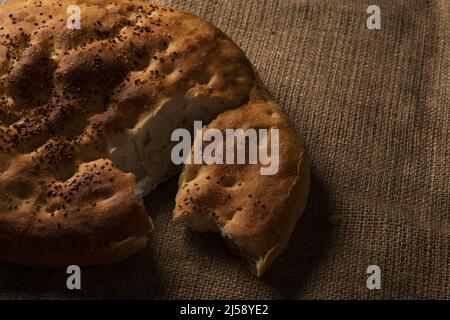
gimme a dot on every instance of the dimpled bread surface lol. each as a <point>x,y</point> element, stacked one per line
<point>86,117</point>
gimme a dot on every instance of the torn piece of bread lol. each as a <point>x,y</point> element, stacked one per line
<point>255,213</point>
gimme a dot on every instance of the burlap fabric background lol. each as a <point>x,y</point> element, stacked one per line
<point>374,107</point>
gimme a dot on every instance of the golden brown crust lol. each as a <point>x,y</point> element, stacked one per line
<point>72,98</point>
<point>255,213</point>
<point>85,123</point>
<point>83,220</point>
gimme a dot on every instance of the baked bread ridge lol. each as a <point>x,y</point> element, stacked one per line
<point>86,117</point>
<point>92,218</point>
<point>256,214</point>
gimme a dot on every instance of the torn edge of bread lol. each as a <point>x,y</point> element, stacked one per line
<point>260,235</point>
<point>257,264</point>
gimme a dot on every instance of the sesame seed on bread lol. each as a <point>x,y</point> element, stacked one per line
<point>86,117</point>
<point>255,213</point>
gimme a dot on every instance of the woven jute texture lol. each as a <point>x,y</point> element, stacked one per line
<point>374,107</point>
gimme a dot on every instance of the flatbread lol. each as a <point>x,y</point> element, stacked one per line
<point>86,117</point>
